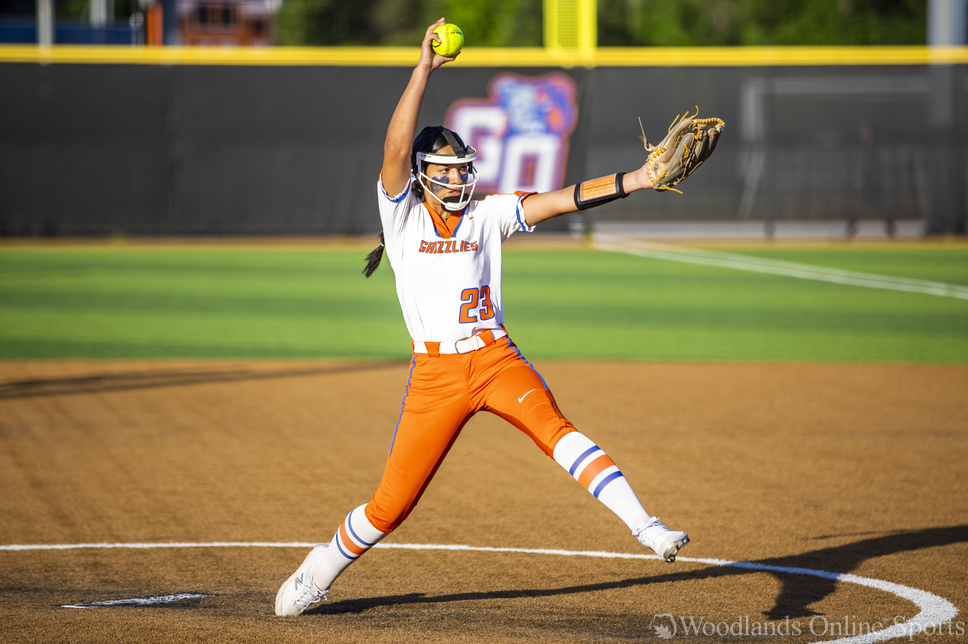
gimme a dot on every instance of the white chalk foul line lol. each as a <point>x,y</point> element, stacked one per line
<point>775,267</point>
<point>934,610</point>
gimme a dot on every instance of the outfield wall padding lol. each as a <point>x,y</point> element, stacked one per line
<point>105,149</point>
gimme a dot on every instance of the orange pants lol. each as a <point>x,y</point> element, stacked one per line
<point>443,393</point>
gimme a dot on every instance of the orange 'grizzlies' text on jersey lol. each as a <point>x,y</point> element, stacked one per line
<point>448,274</point>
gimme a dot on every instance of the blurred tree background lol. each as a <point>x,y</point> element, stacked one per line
<point>621,23</point>
<point>504,23</point>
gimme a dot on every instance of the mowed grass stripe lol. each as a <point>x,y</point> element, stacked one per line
<point>620,306</point>
<point>202,303</point>
<point>144,302</point>
<point>785,268</point>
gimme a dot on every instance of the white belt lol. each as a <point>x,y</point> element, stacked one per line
<point>466,345</point>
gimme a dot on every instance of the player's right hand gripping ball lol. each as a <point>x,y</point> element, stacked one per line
<point>451,40</point>
<point>690,141</point>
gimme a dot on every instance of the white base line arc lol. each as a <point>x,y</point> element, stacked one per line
<point>934,610</point>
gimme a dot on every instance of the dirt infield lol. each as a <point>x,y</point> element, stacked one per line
<point>855,469</point>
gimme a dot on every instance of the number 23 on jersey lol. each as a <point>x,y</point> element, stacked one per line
<point>476,305</point>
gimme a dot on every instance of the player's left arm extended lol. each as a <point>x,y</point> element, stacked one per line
<point>689,142</point>
<point>587,194</point>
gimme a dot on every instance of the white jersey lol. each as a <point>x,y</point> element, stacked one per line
<point>449,287</point>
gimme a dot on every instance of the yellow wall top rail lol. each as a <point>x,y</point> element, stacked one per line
<point>488,57</point>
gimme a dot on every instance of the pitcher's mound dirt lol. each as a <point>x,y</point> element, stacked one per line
<point>845,468</point>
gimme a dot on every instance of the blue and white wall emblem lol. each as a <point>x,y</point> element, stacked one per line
<point>520,131</point>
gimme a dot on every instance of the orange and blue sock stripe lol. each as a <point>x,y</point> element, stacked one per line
<point>348,542</point>
<point>594,470</point>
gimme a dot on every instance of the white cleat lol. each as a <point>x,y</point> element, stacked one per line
<point>300,592</point>
<point>665,542</point>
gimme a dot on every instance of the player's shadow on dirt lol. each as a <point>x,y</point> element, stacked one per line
<point>150,379</point>
<point>797,593</point>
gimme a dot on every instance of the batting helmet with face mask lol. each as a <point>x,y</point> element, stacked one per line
<point>424,152</point>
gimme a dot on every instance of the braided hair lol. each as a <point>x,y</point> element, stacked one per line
<point>431,139</point>
<point>373,259</point>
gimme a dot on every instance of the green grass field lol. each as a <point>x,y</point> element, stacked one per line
<point>140,301</point>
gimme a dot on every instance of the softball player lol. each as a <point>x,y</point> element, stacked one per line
<point>445,249</point>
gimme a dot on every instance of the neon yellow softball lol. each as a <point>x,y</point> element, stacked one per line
<point>451,40</point>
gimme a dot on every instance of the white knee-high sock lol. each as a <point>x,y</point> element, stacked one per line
<point>355,536</point>
<point>596,472</point>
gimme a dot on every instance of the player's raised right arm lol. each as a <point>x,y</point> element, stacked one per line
<point>403,125</point>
